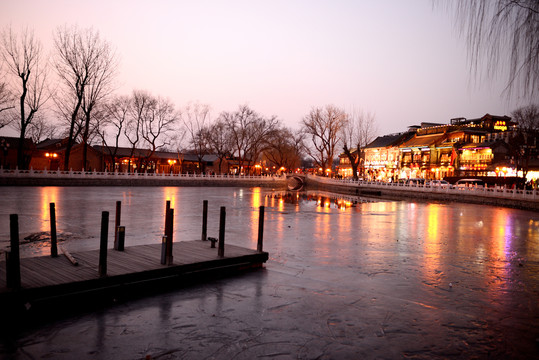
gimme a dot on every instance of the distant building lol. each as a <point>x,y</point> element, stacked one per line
<point>50,154</point>
<point>381,157</point>
<point>9,148</point>
<point>465,147</point>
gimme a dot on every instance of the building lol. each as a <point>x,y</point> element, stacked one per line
<point>124,159</point>
<point>9,147</point>
<point>50,154</point>
<point>464,147</point>
<point>381,157</point>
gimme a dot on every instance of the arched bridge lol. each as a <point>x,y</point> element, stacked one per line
<point>295,181</point>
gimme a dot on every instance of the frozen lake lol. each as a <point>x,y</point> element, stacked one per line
<point>345,279</point>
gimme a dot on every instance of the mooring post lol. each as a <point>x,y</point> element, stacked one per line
<point>119,241</point>
<point>13,261</point>
<point>205,220</point>
<point>54,240</point>
<point>117,223</point>
<point>169,232</point>
<point>164,250</point>
<point>260,229</point>
<point>103,244</point>
<point>166,211</point>
<point>221,249</point>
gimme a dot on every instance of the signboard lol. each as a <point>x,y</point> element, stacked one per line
<point>500,125</point>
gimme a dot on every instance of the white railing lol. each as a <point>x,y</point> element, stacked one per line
<point>491,192</point>
<point>104,175</point>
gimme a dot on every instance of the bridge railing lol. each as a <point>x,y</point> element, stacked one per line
<point>483,191</point>
<point>85,174</point>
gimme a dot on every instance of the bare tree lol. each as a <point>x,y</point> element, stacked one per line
<point>259,133</point>
<point>41,129</point>
<point>156,124</point>
<point>236,122</point>
<point>22,54</point>
<point>506,34</point>
<point>284,148</point>
<point>196,118</point>
<point>99,86</point>
<point>140,104</point>
<point>524,143</point>
<point>359,130</point>
<point>84,65</point>
<point>527,118</point>
<point>6,104</point>
<point>248,131</point>
<point>117,112</point>
<point>219,140</point>
<point>323,127</point>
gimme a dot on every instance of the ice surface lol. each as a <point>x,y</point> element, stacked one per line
<point>347,278</point>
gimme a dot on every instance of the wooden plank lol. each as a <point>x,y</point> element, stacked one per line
<point>46,276</point>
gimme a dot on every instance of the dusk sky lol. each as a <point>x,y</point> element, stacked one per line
<point>400,60</point>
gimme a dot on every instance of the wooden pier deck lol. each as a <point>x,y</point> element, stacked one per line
<point>46,279</point>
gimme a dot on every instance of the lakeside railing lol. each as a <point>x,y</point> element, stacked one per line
<point>491,192</point>
<point>104,175</point>
<point>482,191</point>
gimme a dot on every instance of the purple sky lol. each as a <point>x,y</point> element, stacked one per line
<point>401,60</point>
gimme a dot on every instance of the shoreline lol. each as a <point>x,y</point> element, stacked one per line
<point>76,179</point>
<point>416,194</point>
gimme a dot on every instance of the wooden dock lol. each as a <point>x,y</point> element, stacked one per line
<point>137,269</point>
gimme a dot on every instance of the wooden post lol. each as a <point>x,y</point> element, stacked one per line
<point>166,212</point>
<point>117,223</point>
<point>119,241</point>
<point>168,233</point>
<point>103,244</point>
<point>221,249</point>
<point>260,229</point>
<point>205,220</point>
<point>54,240</point>
<point>13,276</point>
<point>164,250</point>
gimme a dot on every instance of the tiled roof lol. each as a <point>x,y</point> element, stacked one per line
<point>423,140</point>
<point>383,141</point>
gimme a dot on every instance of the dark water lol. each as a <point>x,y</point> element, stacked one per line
<point>347,278</point>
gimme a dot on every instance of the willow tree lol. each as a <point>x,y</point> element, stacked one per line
<point>504,36</point>
<point>23,57</point>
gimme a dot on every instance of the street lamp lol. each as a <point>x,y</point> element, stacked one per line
<point>51,156</point>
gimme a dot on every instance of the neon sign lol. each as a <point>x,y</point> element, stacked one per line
<point>500,125</point>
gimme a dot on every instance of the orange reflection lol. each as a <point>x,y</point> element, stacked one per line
<point>256,200</point>
<point>501,233</point>
<point>48,195</point>
<point>432,273</point>
<point>170,193</point>
<point>499,251</point>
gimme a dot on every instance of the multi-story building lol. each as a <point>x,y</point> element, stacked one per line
<point>381,157</point>
<point>464,147</point>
